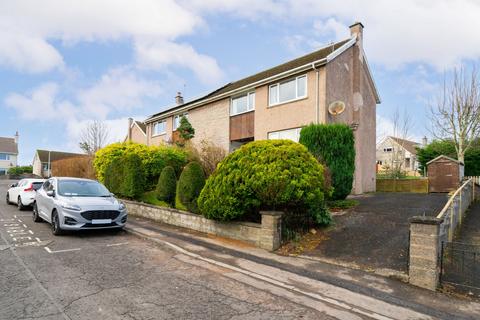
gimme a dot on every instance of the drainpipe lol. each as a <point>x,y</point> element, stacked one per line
<point>317,105</point>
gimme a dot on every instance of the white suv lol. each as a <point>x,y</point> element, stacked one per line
<point>23,192</point>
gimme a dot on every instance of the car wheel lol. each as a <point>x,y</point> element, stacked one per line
<point>36,217</point>
<point>20,205</point>
<point>56,230</point>
<point>8,199</point>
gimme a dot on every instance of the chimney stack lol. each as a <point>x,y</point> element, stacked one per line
<point>16,137</point>
<point>424,141</point>
<point>129,135</point>
<point>356,28</point>
<point>179,99</point>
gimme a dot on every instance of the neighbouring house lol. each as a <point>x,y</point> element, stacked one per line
<point>331,85</point>
<point>398,154</point>
<point>43,159</point>
<point>137,131</point>
<point>8,153</point>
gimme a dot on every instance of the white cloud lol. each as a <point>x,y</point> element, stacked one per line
<point>27,27</point>
<point>159,55</point>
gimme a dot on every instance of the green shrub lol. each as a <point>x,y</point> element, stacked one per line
<point>20,170</point>
<point>154,159</point>
<point>166,186</point>
<point>114,176</point>
<point>189,185</point>
<point>334,146</point>
<point>133,184</point>
<point>265,175</point>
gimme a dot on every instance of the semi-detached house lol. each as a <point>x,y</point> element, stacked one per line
<point>331,85</point>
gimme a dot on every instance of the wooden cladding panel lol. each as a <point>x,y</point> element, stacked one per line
<point>242,126</point>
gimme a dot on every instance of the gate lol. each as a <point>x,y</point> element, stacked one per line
<point>460,267</point>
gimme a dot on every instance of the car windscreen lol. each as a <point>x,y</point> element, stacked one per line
<point>36,185</point>
<point>81,188</point>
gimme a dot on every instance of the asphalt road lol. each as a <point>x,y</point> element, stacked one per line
<point>114,275</point>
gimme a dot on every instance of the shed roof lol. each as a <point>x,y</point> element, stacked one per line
<point>444,157</point>
<point>57,155</point>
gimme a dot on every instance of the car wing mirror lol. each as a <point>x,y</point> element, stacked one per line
<point>51,193</point>
<point>13,185</point>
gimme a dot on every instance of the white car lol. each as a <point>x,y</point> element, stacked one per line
<point>23,192</point>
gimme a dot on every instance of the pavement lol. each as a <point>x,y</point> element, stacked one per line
<point>154,271</point>
<point>374,235</point>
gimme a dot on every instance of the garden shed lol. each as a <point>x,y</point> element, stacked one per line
<point>444,174</point>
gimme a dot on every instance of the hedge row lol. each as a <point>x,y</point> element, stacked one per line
<point>153,159</point>
<point>125,176</point>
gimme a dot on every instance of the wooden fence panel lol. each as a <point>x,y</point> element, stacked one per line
<point>402,185</point>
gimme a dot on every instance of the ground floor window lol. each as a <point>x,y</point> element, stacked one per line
<point>3,171</point>
<point>290,134</point>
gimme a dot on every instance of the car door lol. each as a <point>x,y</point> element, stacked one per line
<point>15,191</point>
<point>40,199</point>
<point>49,201</point>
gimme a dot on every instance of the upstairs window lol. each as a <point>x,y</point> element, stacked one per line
<point>176,120</point>
<point>242,104</point>
<point>4,156</point>
<point>289,90</point>
<point>159,128</point>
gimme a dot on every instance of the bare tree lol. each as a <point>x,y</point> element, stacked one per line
<point>94,137</point>
<point>456,115</point>
<point>402,126</point>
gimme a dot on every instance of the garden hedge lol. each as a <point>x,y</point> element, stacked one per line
<point>190,185</point>
<point>154,159</point>
<point>133,184</point>
<point>166,186</point>
<point>334,146</point>
<point>265,175</point>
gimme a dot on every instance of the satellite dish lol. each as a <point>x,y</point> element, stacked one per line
<point>336,107</point>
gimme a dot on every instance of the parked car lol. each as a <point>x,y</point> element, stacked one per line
<point>76,204</point>
<point>23,192</point>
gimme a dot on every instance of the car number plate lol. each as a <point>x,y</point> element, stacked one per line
<point>101,221</point>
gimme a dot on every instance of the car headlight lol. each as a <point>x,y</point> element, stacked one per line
<point>72,207</point>
<point>122,206</point>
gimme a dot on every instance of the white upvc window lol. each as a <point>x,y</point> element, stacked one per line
<point>290,134</point>
<point>176,120</point>
<point>243,103</point>
<point>159,127</point>
<point>286,91</point>
<point>4,156</point>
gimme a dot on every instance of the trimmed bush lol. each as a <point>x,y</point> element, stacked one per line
<point>334,146</point>
<point>190,185</point>
<point>114,176</point>
<point>20,170</point>
<point>133,184</point>
<point>265,175</point>
<point>154,159</point>
<point>166,186</point>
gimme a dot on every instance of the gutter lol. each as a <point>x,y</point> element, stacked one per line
<point>311,65</point>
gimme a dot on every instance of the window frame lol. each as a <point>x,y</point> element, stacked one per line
<point>247,95</point>
<point>277,86</point>
<point>298,129</point>
<point>179,117</point>
<point>7,156</point>
<point>155,134</point>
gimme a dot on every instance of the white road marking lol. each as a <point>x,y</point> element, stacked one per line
<point>19,220</point>
<point>37,239</point>
<point>30,231</point>
<point>116,244</point>
<point>58,251</point>
<point>25,226</point>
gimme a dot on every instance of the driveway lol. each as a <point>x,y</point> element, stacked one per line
<point>375,234</point>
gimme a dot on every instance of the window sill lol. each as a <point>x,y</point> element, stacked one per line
<point>288,101</point>
<point>159,135</point>
<point>237,114</point>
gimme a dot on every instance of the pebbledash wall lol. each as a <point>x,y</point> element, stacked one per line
<point>265,235</point>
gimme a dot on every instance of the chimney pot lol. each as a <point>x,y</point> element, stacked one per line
<point>179,99</point>
<point>16,137</point>
<point>129,135</point>
<point>424,141</point>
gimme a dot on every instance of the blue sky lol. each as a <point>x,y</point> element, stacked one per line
<point>64,64</point>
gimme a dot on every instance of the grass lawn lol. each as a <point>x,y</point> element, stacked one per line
<point>341,204</point>
<point>150,198</point>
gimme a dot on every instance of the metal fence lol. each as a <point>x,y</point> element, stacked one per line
<point>460,267</point>
<point>454,211</point>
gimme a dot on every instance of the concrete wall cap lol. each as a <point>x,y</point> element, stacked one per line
<point>426,220</point>
<point>272,213</point>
